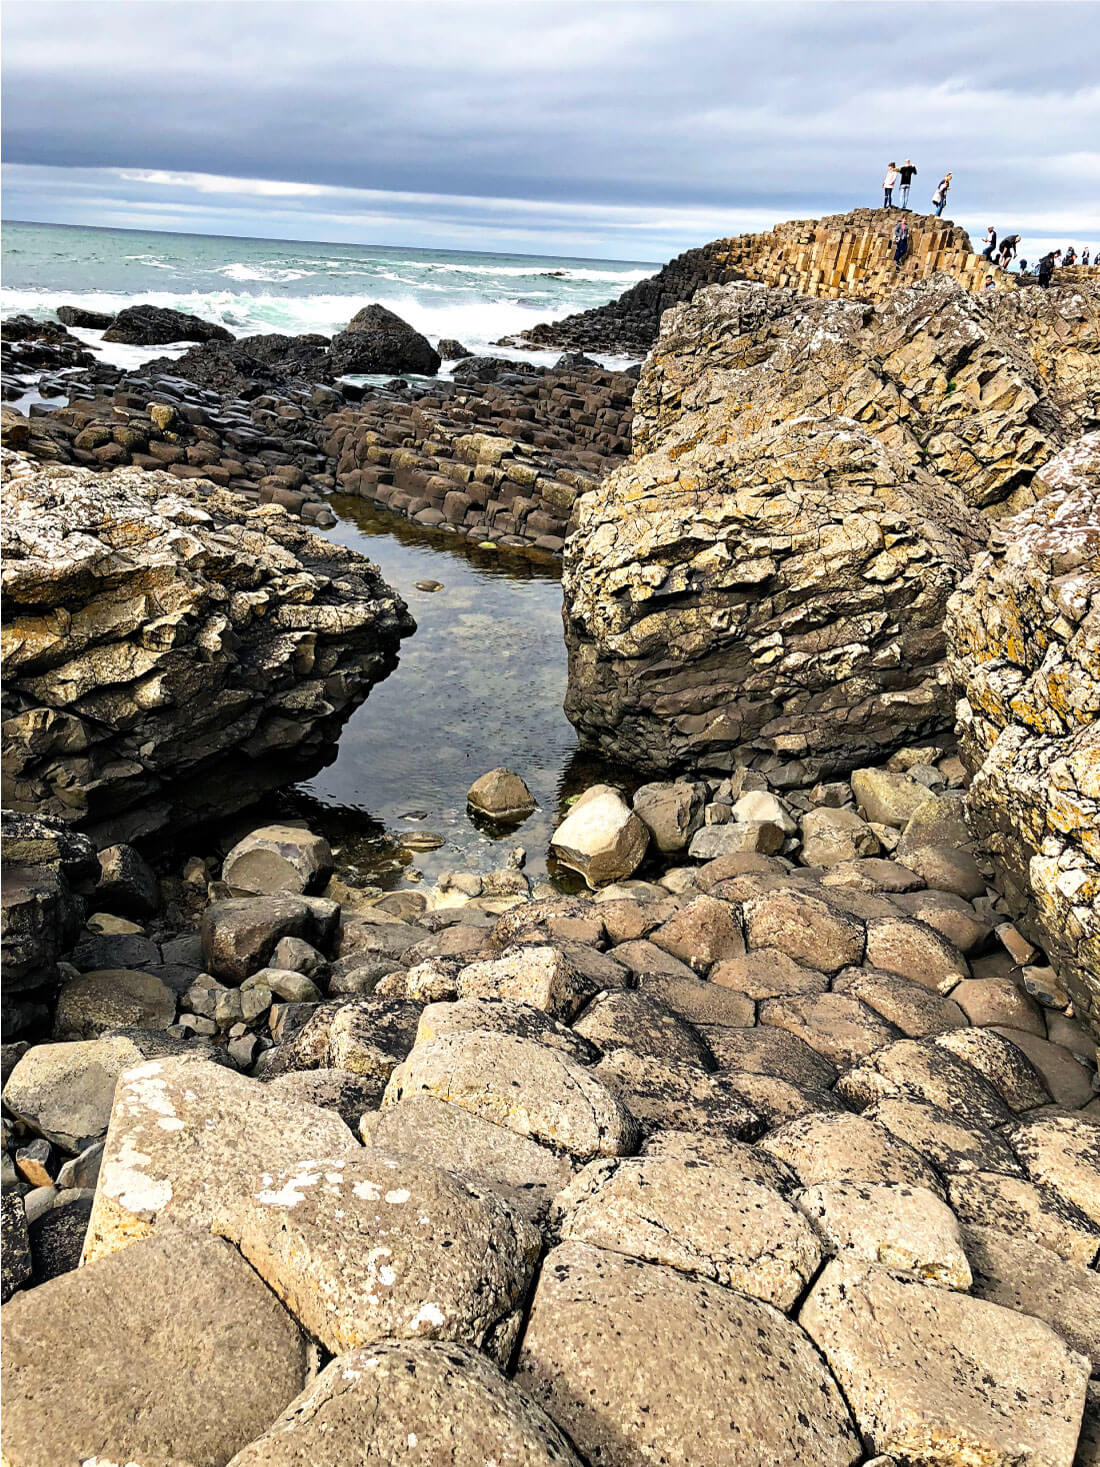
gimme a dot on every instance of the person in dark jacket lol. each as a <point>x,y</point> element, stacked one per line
<point>1009,246</point>
<point>990,243</point>
<point>901,243</point>
<point>908,172</point>
<point>1046,268</point>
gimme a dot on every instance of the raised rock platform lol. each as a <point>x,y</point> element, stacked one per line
<point>169,654</point>
<point>842,256</point>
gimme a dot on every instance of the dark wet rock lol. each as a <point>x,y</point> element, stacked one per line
<point>78,316</point>
<point>377,340</point>
<point>127,885</point>
<point>146,325</point>
<point>16,1266</point>
<point>57,1238</point>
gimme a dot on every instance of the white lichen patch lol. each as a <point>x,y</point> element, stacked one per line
<point>427,1314</point>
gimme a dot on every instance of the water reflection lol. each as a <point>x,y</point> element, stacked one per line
<point>480,684</point>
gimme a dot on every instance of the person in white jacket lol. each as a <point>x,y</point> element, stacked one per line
<point>888,183</point>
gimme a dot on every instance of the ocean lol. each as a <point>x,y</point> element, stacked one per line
<point>263,285</point>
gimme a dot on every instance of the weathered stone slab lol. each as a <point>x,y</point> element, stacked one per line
<point>948,1144</point>
<point>409,1403</point>
<point>371,1246</point>
<point>171,1349</point>
<point>522,1085</point>
<point>185,1138</point>
<point>596,1355</point>
<point>633,1020</point>
<point>812,931</point>
<point>898,1226</point>
<point>114,998</point>
<point>771,1051</point>
<point>670,1093</point>
<point>841,1147</point>
<point>1029,1278</point>
<point>503,1016</point>
<point>1062,1154</point>
<point>835,1025</point>
<point>1018,1207</point>
<point>541,977</point>
<point>700,1218</point>
<point>919,1069</point>
<point>936,1377</point>
<point>527,1174</point>
<point>914,1009</point>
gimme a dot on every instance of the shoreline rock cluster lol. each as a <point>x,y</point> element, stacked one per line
<point>807,1120</point>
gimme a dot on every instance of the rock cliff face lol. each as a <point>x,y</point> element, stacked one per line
<point>168,655</point>
<point>843,255</point>
<point>1024,648</point>
<point>767,580</point>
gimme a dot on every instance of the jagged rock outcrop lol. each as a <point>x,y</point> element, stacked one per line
<point>1024,649</point>
<point>170,654</point>
<point>767,581</point>
<point>841,256</point>
<point>146,325</point>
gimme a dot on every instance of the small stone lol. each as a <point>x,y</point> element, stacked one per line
<point>672,811</point>
<point>944,868</point>
<point>290,985</point>
<point>1015,944</point>
<point>702,932</point>
<point>34,1162</point>
<point>1045,986</point>
<point>601,837</point>
<point>278,858</point>
<point>717,842</point>
<point>127,885</point>
<point>502,796</point>
<point>38,1202</point>
<point>831,837</point>
<point>887,797</point>
<point>293,955</point>
<point>542,977</point>
<point>989,1001</point>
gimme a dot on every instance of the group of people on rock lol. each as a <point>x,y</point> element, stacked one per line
<point>1001,252</point>
<point>904,177</point>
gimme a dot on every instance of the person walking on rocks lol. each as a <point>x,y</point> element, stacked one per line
<point>908,172</point>
<point>901,243</point>
<point>1046,268</point>
<point>939,198</point>
<point>990,242</point>
<point>891,178</point>
<point>1009,246</point>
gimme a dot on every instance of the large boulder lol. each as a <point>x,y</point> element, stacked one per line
<point>936,1377</point>
<point>601,837</point>
<point>146,325</point>
<point>181,1352</point>
<point>188,1138</point>
<point>776,594</point>
<point>377,340</point>
<point>1023,635</point>
<point>168,649</point>
<point>371,1246</point>
<point>768,576</point>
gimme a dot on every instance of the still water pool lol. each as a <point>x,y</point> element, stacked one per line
<point>479,684</point>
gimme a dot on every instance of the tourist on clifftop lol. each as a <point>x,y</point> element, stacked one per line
<point>1085,255</point>
<point>990,242</point>
<point>892,176</point>
<point>939,198</point>
<point>1071,257</point>
<point>901,243</point>
<point>908,173</point>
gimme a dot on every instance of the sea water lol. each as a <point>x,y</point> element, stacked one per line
<point>252,286</point>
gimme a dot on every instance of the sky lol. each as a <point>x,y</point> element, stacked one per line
<point>617,130</point>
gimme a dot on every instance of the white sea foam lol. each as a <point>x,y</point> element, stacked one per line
<point>271,274</point>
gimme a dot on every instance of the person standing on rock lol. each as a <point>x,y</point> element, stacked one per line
<point>908,172</point>
<point>990,242</point>
<point>1071,257</point>
<point>891,178</point>
<point>1046,268</point>
<point>1085,255</point>
<point>939,198</point>
<point>901,243</point>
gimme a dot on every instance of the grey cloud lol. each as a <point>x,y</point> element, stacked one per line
<point>784,107</point>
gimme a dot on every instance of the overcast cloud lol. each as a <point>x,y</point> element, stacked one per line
<point>616,129</point>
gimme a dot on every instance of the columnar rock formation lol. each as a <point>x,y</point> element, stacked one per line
<point>840,256</point>
<point>1024,648</point>
<point>767,580</point>
<point>166,654</point>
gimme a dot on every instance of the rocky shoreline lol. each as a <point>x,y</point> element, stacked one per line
<point>780,1142</point>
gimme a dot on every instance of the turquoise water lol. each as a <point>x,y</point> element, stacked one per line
<point>257,285</point>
